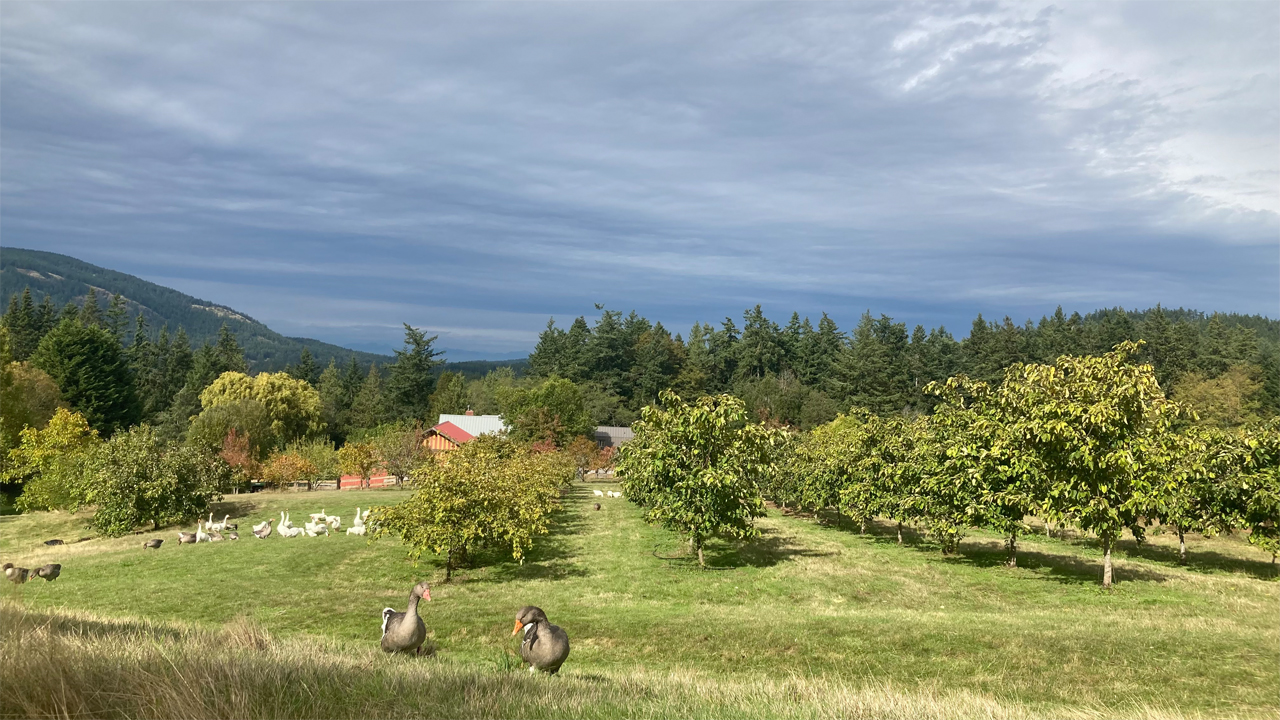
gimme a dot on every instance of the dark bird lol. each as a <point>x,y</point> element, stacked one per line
<point>405,631</point>
<point>49,572</point>
<point>545,646</point>
<point>233,536</point>
<point>54,541</point>
<point>154,543</point>
<point>597,506</point>
<point>15,574</point>
<point>186,538</point>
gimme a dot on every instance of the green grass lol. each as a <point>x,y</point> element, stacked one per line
<point>834,613</point>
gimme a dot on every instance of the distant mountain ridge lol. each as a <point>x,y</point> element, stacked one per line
<point>67,279</point>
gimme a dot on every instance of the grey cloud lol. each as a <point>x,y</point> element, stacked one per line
<point>685,160</point>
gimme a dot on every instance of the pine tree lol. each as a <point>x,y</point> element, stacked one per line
<point>873,372</point>
<point>760,349</point>
<point>368,409</point>
<point>117,317</point>
<point>90,313</point>
<point>412,376</point>
<point>306,368</point>
<point>46,316</point>
<point>228,354</point>
<point>90,369</point>
<point>23,324</point>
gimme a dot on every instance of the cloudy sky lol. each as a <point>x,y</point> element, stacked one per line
<point>335,169</point>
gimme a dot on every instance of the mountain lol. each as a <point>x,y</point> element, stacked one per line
<point>66,279</point>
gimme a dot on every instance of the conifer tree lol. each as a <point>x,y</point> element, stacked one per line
<point>90,313</point>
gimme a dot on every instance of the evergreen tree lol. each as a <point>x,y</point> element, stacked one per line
<point>23,324</point>
<point>335,402</point>
<point>142,365</point>
<point>306,369</point>
<point>548,356</point>
<point>46,316</point>
<point>978,352</point>
<point>760,350</point>
<point>228,354</point>
<point>90,369</point>
<point>873,372</point>
<point>450,396</point>
<point>1114,327</point>
<point>368,408</point>
<point>90,313</point>
<point>117,318</point>
<point>658,362</point>
<point>412,377</point>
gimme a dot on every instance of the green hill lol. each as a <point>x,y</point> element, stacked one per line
<point>66,279</point>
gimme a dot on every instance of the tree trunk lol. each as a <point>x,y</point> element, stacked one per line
<point>1012,545</point>
<point>155,522</point>
<point>700,560</point>
<point>863,527</point>
<point>448,566</point>
<point>899,532</point>
<point>1106,564</point>
<point>1182,548</point>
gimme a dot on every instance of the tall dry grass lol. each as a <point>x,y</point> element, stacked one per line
<point>65,665</point>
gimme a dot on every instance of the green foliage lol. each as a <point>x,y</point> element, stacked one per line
<point>247,418</point>
<point>135,477</point>
<point>553,410</point>
<point>1233,399</point>
<point>1259,488</point>
<point>323,457</point>
<point>292,405</point>
<point>48,460</point>
<point>412,377</point>
<point>369,406</point>
<point>699,468</point>
<point>88,365</point>
<point>28,398</point>
<point>359,458</point>
<point>488,492</point>
<point>451,395</point>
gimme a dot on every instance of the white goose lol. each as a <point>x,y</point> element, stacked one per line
<point>315,528</point>
<point>201,535</point>
<point>355,530</point>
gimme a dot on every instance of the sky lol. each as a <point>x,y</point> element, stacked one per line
<point>336,169</point>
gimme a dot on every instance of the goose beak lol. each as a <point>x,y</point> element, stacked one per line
<point>518,626</point>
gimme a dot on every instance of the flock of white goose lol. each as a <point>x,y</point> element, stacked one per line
<point>319,523</point>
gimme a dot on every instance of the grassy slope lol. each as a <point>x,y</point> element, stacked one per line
<point>810,602</point>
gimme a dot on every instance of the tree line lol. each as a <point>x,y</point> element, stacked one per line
<point>802,374</point>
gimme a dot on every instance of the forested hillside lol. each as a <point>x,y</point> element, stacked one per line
<point>67,280</point>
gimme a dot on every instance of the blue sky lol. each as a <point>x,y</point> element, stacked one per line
<point>335,169</point>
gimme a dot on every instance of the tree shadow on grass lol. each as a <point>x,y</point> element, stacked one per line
<point>1065,569</point>
<point>769,549</point>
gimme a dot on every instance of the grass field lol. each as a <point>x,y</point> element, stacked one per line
<point>808,621</point>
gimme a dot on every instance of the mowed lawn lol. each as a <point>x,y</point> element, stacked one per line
<point>804,601</point>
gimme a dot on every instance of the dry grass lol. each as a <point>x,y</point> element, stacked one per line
<point>69,665</point>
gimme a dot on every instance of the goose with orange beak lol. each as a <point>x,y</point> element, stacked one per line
<point>404,632</point>
<point>545,646</point>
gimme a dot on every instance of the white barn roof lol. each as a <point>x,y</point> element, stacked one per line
<point>476,424</point>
